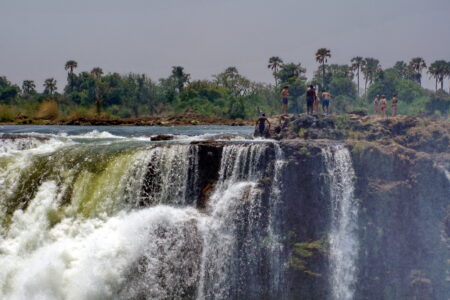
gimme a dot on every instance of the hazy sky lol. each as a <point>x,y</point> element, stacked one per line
<point>37,37</point>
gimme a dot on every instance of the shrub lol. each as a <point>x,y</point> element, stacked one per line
<point>48,110</point>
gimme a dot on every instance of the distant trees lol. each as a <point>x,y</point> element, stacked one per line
<point>416,65</point>
<point>439,70</point>
<point>229,94</point>
<point>70,66</point>
<point>8,91</point>
<point>180,77</point>
<point>291,72</point>
<point>28,87</point>
<point>100,89</point>
<point>232,80</point>
<point>357,63</point>
<point>274,64</point>
<point>322,56</point>
<point>50,86</point>
<point>370,68</point>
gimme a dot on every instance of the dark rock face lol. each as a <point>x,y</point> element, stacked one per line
<point>209,157</point>
<point>404,203</point>
<point>403,224</point>
<point>305,217</point>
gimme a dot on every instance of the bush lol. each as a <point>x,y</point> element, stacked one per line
<point>6,114</point>
<point>48,110</point>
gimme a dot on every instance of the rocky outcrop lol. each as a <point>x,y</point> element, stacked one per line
<point>418,134</point>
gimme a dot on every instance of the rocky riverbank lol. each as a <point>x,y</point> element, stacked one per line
<point>169,120</point>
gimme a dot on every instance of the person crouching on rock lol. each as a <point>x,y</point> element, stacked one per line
<point>310,98</point>
<point>261,123</point>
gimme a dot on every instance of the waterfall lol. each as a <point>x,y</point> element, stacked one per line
<point>343,237</point>
<point>118,221</point>
<point>235,196</point>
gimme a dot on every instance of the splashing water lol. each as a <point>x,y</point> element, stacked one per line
<point>91,221</point>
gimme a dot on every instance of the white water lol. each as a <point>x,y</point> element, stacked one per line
<point>237,185</point>
<point>157,252</point>
<point>343,239</point>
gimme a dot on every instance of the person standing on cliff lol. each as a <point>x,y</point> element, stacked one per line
<point>383,106</point>
<point>261,123</point>
<point>376,105</point>
<point>316,102</point>
<point>326,97</point>
<point>284,100</point>
<point>310,98</point>
<point>394,105</point>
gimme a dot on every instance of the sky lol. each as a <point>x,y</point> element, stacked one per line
<point>37,37</point>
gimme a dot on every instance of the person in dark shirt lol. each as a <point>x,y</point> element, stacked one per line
<point>310,98</point>
<point>261,123</point>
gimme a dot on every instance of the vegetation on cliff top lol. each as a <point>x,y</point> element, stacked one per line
<point>229,95</point>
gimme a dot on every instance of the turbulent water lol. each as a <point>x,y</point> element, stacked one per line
<point>96,215</point>
<point>343,237</point>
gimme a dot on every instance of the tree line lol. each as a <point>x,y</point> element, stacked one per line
<point>229,94</point>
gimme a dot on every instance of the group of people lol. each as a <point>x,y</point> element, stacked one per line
<point>312,100</point>
<point>312,106</point>
<point>380,105</point>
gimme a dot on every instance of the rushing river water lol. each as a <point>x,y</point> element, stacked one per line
<point>105,213</point>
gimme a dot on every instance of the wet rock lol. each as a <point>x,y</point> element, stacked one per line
<point>162,137</point>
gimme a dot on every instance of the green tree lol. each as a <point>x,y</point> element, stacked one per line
<point>402,70</point>
<point>70,66</point>
<point>416,65</point>
<point>274,64</point>
<point>370,68</point>
<point>291,72</point>
<point>181,78</point>
<point>50,86</point>
<point>357,63</point>
<point>8,91</point>
<point>28,87</point>
<point>233,81</point>
<point>322,56</point>
<point>100,89</point>
<point>438,70</point>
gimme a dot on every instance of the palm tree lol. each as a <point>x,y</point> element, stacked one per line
<point>28,87</point>
<point>438,70</point>
<point>97,72</point>
<point>50,86</point>
<point>274,64</point>
<point>70,65</point>
<point>357,63</point>
<point>321,57</point>
<point>370,68</point>
<point>416,65</point>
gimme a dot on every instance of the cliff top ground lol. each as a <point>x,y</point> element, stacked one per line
<point>424,135</point>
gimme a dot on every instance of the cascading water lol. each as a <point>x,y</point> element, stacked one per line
<point>343,238</point>
<point>117,220</point>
